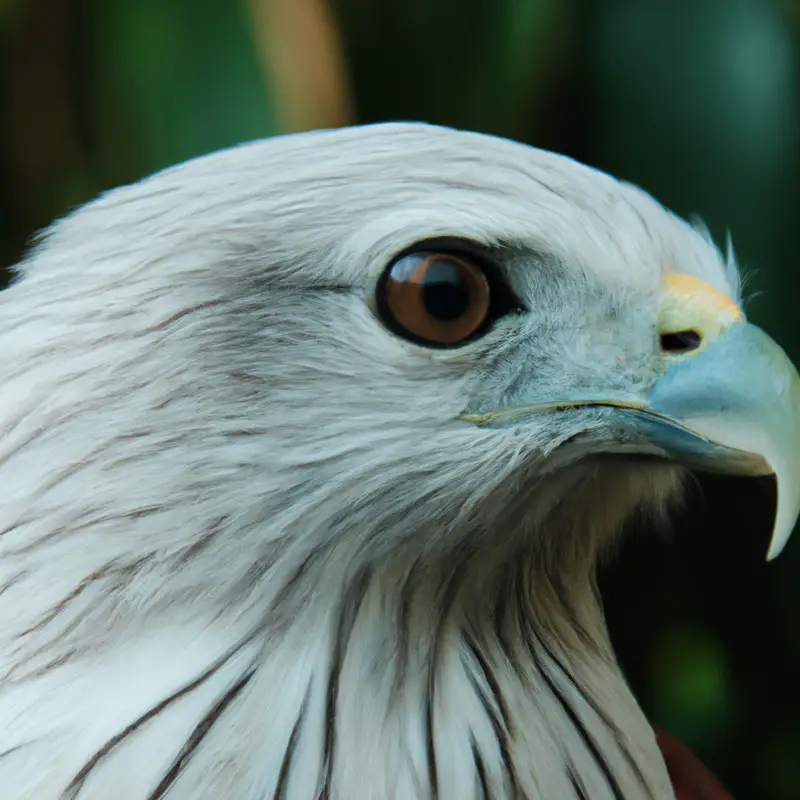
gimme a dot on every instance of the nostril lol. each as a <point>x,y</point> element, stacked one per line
<point>681,342</point>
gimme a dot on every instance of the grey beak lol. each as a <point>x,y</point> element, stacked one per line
<point>733,408</point>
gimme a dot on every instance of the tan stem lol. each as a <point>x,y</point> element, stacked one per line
<point>300,49</point>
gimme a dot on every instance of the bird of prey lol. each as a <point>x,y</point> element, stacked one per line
<point>308,452</point>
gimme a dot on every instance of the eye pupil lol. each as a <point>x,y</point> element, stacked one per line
<point>445,291</point>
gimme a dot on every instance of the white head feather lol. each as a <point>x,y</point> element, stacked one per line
<point>249,551</point>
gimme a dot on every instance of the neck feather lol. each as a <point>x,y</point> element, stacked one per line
<point>483,671</point>
<point>413,685</point>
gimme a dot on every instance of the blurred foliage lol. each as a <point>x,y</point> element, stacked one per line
<point>188,69</point>
<point>695,100</point>
<point>691,685</point>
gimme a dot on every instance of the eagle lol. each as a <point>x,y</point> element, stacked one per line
<point>310,449</point>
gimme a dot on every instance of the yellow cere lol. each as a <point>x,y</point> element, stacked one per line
<point>687,303</point>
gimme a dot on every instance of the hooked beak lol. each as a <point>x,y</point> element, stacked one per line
<point>732,407</point>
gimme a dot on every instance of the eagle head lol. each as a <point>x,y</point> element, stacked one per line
<point>309,449</point>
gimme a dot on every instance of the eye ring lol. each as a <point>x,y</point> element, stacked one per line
<point>436,298</point>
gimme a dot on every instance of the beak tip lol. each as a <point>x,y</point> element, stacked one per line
<point>780,536</point>
<point>785,520</point>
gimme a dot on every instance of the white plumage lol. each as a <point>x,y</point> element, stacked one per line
<point>250,549</point>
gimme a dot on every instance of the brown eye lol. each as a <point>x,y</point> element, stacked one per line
<point>438,299</point>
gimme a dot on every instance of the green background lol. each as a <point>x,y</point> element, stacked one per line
<point>695,100</point>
